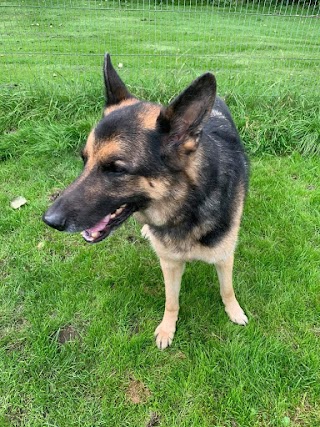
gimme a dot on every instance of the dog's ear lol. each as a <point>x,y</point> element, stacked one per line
<point>116,90</point>
<point>182,121</point>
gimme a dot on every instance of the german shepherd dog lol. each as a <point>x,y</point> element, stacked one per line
<point>180,170</point>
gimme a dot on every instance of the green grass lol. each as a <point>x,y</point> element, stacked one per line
<point>110,297</point>
<point>51,58</point>
<point>250,53</point>
<point>41,120</point>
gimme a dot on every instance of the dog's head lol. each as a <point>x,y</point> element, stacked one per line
<point>133,158</point>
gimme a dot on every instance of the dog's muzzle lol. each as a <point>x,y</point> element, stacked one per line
<point>55,219</point>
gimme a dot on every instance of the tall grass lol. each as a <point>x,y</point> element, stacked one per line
<point>51,56</point>
<point>42,119</point>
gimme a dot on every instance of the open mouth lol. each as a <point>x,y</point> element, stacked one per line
<point>104,227</point>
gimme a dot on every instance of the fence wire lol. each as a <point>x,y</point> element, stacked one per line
<point>264,41</point>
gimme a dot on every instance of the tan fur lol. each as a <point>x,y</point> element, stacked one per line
<point>164,204</point>
<point>122,104</point>
<point>192,168</point>
<point>99,153</point>
<point>172,260</point>
<point>148,118</point>
<point>155,188</point>
<point>89,147</point>
<point>190,145</point>
<point>231,305</point>
<point>110,148</point>
<point>94,155</point>
<point>195,251</point>
<point>172,274</point>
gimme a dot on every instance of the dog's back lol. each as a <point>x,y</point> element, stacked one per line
<point>226,171</point>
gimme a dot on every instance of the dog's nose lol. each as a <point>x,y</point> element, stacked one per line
<point>55,220</point>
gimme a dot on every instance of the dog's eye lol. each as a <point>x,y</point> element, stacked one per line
<point>114,167</point>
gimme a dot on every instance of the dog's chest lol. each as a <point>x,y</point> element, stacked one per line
<point>189,250</point>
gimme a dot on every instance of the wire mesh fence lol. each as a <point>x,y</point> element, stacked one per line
<point>253,46</point>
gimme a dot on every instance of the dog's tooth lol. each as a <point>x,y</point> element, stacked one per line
<point>123,206</point>
<point>119,210</point>
<point>113,215</point>
<point>95,234</point>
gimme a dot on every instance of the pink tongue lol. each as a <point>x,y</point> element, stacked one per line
<point>100,226</point>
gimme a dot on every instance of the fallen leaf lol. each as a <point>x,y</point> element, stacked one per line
<point>286,421</point>
<point>40,245</point>
<point>17,202</point>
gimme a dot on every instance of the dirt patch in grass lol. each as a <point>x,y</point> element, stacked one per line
<point>66,334</point>
<point>134,326</point>
<point>137,392</point>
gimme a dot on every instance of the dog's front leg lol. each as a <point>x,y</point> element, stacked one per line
<point>172,274</point>
<point>232,307</point>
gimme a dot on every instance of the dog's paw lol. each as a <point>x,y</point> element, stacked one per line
<point>145,231</point>
<point>164,336</point>
<point>236,314</point>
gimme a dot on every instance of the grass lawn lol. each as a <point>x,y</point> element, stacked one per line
<point>250,51</point>
<point>77,321</point>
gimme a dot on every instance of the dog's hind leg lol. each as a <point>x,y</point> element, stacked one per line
<point>172,274</point>
<point>232,307</point>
